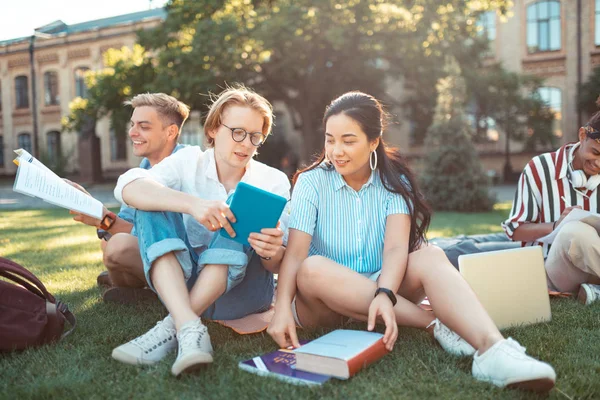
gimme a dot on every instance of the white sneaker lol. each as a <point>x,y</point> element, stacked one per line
<point>506,364</point>
<point>450,340</point>
<point>195,349</point>
<point>151,347</point>
<point>588,293</point>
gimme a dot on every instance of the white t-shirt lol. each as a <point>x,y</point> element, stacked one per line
<point>194,171</point>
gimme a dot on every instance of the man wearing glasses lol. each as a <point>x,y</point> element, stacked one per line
<point>550,187</point>
<point>155,127</point>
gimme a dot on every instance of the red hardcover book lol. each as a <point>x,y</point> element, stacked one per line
<point>341,353</point>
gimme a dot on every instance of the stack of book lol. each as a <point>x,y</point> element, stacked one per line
<point>339,354</point>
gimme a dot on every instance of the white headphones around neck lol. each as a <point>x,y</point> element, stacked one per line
<point>578,178</point>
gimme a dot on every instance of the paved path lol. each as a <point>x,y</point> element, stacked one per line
<point>10,200</point>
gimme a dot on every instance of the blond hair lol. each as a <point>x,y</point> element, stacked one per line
<point>238,95</point>
<point>170,110</point>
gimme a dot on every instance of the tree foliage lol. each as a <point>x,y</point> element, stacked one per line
<point>453,178</point>
<point>589,92</point>
<point>513,102</point>
<point>304,53</point>
<point>127,72</point>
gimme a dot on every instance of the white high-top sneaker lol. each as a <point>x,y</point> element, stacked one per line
<point>450,340</point>
<point>151,347</point>
<point>588,293</point>
<point>195,349</point>
<point>506,364</point>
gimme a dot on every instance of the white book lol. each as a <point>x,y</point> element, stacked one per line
<point>576,214</point>
<point>39,181</point>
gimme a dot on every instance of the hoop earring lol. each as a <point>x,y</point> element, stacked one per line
<point>373,164</point>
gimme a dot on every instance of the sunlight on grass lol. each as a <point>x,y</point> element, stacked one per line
<point>503,206</point>
<point>67,258</point>
<point>64,241</point>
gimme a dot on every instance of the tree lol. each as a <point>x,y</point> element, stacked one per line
<point>128,71</point>
<point>306,52</point>
<point>588,93</point>
<point>453,178</point>
<point>513,102</point>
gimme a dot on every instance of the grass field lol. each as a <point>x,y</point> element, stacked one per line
<point>66,257</point>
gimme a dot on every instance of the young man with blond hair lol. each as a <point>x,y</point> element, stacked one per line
<point>155,127</point>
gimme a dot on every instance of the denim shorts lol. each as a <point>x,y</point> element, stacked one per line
<point>160,233</point>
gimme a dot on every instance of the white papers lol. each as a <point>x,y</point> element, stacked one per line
<point>45,184</point>
<point>24,156</point>
<point>576,214</point>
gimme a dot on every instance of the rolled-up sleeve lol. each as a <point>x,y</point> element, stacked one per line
<point>304,206</point>
<point>525,207</point>
<point>168,172</point>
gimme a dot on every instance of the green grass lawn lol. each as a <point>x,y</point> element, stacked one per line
<point>67,258</point>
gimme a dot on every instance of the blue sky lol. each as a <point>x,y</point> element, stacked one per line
<point>20,17</point>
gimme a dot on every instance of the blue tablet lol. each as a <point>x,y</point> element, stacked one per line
<point>254,209</point>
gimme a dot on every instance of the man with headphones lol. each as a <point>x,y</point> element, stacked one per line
<point>550,187</point>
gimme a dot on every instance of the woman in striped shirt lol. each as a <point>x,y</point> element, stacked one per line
<point>357,249</point>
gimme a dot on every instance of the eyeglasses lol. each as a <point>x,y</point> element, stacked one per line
<point>239,134</point>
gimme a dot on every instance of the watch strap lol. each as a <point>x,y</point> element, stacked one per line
<point>388,293</point>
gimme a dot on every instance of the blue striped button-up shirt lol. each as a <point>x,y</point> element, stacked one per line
<point>346,226</point>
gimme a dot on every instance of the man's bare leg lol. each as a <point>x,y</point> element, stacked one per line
<point>123,261</point>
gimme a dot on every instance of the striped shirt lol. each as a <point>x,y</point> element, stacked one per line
<point>540,192</point>
<point>346,226</point>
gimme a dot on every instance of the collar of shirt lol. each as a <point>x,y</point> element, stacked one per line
<point>211,167</point>
<point>339,182</point>
<point>563,158</point>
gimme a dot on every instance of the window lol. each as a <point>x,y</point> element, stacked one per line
<point>597,24</point>
<point>22,91</point>
<point>553,98</point>
<point>51,88</point>
<point>1,151</point>
<point>80,86</point>
<point>543,26</point>
<point>24,140</point>
<point>487,27</point>
<point>118,146</point>
<point>54,149</point>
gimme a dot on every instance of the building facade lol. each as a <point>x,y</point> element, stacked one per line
<point>553,39</point>
<point>62,54</point>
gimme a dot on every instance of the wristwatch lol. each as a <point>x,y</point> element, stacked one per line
<point>388,293</point>
<point>108,220</point>
<point>104,235</point>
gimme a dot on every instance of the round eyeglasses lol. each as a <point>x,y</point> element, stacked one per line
<point>239,134</point>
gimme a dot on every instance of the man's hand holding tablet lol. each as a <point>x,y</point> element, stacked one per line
<point>214,215</point>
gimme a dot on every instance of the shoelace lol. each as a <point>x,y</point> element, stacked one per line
<point>596,290</point>
<point>517,350</point>
<point>150,338</point>
<point>191,336</point>
<point>445,332</point>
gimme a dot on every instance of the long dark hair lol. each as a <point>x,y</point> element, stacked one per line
<point>394,172</point>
